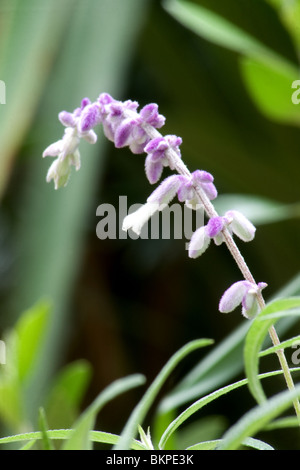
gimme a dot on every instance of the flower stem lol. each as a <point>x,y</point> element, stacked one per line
<point>285,369</point>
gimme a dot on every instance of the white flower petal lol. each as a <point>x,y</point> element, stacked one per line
<point>198,243</point>
<point>241,226</point>
<point>166,191</point>
<point>54,149</point>
<point>139,218</point>
<point>233,296</point>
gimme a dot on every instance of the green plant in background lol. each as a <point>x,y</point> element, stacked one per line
<point>68,389</point>
<point>266,75</point>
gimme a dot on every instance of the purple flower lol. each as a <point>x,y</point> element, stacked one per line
<point>235,222</point>
<point>124,126</point>
<point>244,293</point>
<point>78,125</point>
<point>89,118</point>
<point>157,201</point>
<point>240,225</point>
<point>161,196</point>
<point>149,114</point>
<point>202,237</point>
<point>83,119</point>
<point>205,180</point>
<point>157,155</point>
<point>199,178</point>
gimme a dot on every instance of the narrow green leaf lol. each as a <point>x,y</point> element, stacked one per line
<point>220,31</point>
<point>137,416</point>
<point>256,444</point>
<point>257,418</point>
<point>145,438</point>
<point>79,439</point>
<point>194,408</point>
<point>47,444</point>
<point>160,422</point>
<point>285,344</point>
<point>206,445</point>
<point>63,434</point>
<point>282,423</point>
<point>201,403</point>
<point>256,336</point>
<point>217,368</point>
<point>248,442</point>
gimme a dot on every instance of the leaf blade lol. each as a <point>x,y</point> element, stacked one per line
<point>139,412</point>
<point>255,338</point>
<point>257,418</point>
<point>80,439</point>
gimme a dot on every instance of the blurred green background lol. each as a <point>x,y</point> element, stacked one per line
<point>126,306</point>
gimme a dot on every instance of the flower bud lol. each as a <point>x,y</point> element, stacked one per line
<point>241,226</point>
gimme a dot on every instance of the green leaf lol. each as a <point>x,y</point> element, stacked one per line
<point>23,344</point>
<point>145,438</point>
<point>285,344</point>
<point>80,439</point>
<point>268,76</point>
<point>137,416</point>
<point>248,442</point>
<point>65,397</point>
<point>199,404</point>
<point>63,434</point>
<point>47,444</point>
<point>282,423</point>
<point>218,30</point>
<point>206,445</point>
<point>160,422</point>
<point>30,330</point>
<point>256,336</point>
<point>270,86</point>
<point>218,367</point>
<point>257,418</point>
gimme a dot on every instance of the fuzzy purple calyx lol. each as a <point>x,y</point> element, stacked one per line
<point>157,150</point>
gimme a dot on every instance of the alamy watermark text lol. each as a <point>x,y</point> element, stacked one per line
<point>296,94</point>
<point>170,221</point>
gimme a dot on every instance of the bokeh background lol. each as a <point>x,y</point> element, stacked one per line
<point>126,306</point>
